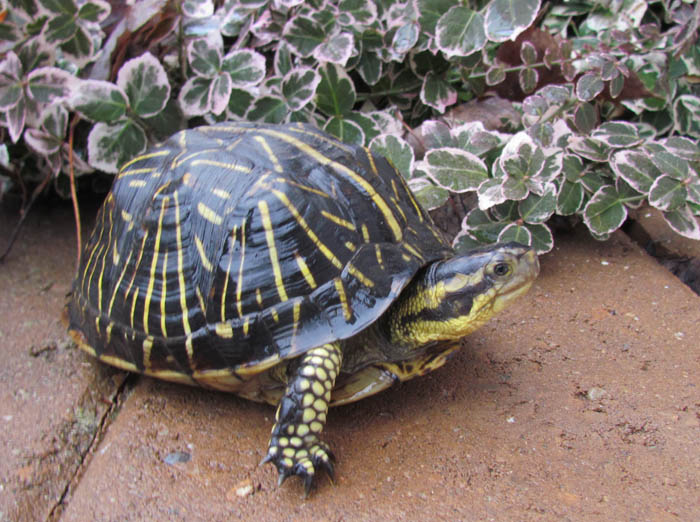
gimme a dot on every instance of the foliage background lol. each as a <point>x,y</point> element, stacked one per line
<point>581,109</point>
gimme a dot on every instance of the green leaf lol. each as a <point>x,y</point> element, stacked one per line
<point>590,148</point>
<point>430,12</point>
<point>490,193</point>
<point>145,83</point>
<point>588,86</point>
<point>405,38</point>
<point>195,96</point>
<point>240,102</point>
<point>369,127</point>
<point>527,79</point>
<point>604,213</point>
<point>396,150</point>
<point>437,93</point>
<point>515,188</point>
<point>682,221</point>
<point>335,95</point>
<point>686,110</point>
<point>370,68</point>
<point>455,169</point>
<point>99,101</point>
<point>542,239</point>
<point>220,93</point>
<point>671,164</point>
<point>585,118</point>
<point>299,87</point>
<point>460,32</point>
<point>495,75</point>
<point>363,11</point>
<point>336,48</point>
<point>270,109</point>
<point>572,166</point>
<point>94,11</point>
<point>515,232</point>
<point>60,6</point>
<point>522,158</point>
<point>61,28</point>
<point>682,147</point>
<point>49,84</point>
<point>618,134</point>
<point>113,144</point>
<point>667,193</point>
<point>246,67</point>
<point>197,8</point>
<point>204,57</point>
<point>538,209</point>
<point>429,195</point>
<point>636,168</point>
<point>345,130</point>
<point>506,19</point>
<point>569,198</point>
<point>303,35</point>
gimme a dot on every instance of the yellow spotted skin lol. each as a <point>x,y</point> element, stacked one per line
<point>277,263</point>
<point>295,446</point>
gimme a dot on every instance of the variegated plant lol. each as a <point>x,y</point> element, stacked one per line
<point>602,112</point>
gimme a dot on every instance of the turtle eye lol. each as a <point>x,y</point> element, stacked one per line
<point>501,269</point>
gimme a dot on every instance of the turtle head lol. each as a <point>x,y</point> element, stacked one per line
<point>454,297</point>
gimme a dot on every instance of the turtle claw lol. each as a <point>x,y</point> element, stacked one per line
<point>304,463</point>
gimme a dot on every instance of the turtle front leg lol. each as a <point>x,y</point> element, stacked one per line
<point>295,445</point>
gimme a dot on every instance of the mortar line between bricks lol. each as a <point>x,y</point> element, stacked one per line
<point>116,402</point>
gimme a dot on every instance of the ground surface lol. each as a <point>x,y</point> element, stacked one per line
<point>582,402</point>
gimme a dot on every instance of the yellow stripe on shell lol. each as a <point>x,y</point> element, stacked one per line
<point>272,249</point>
<point>146,349</point>
<point>227,275</point>
<point>302,187</point>
<point>223,194</point>
<point>203,255</point>
<point>137,183</point>
<point>339,167</point>
<point>133,307</point>
<point>156,154</point>
<point>154,265</point>
<point>353,271</point>
<point>370,159</point>
<point>103,258</point>
<point>224,330</point>
<point>304,268</point>
<point>209,214</point>
<point>239,285</point>
<point>270,153</point>
<point>180,268</point>
<point>221,164</point>
<point>118,284</point>
<point>163,295</point>
<point>133,172</point>
<point>338,220</point>
<point>347,313</point>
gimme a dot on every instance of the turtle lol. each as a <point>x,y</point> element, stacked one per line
<point>283,265</point>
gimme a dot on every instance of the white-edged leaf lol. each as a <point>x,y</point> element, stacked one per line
<point>490,193</point>
<point>590,148</point>
<point>195,96</point>
<point>303,35</point>
<point>437,93</point>
<point>370,68</point>
<point>98,100</point>
<point>336,49</point>
<point>517,233</point>
<point>112,144</point>
<point>15,118</point>
<point>636,168</point>
<point>506,19</point>
<point>588,86</point>
<point>363,11</point>
<point>618,134</point>
<point>569,198</point>
<point>335,94</point>
<point>41,142</point>
<point>537,209</point>
<point>682,147</point>
<point>429,195</point>
<point>246,67</point>
<point>345,130</point>
<point>220,92</point>
<point>460,32</point>
<point>270,109</point>
<point>455,169</point>
<point>667,193</point>
<point>684,222</point>
<point>48,84</point>
<point>671,164</point>
<point>146,84</point>
<point>204,57</point>
<point>522,157</point>
<point>11,90</point>
<point>604,213</point>
<point>197,8</point>
<point>299,87</point>
<point>686,110</point>
<point>396,150</point>
<point>542,239</point>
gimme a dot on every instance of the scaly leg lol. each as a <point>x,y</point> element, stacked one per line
<point>295,445</point>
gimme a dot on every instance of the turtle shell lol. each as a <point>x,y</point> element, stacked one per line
<point>234,246</point>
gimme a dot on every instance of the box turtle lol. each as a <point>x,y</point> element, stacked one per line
<point>278,263</point>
